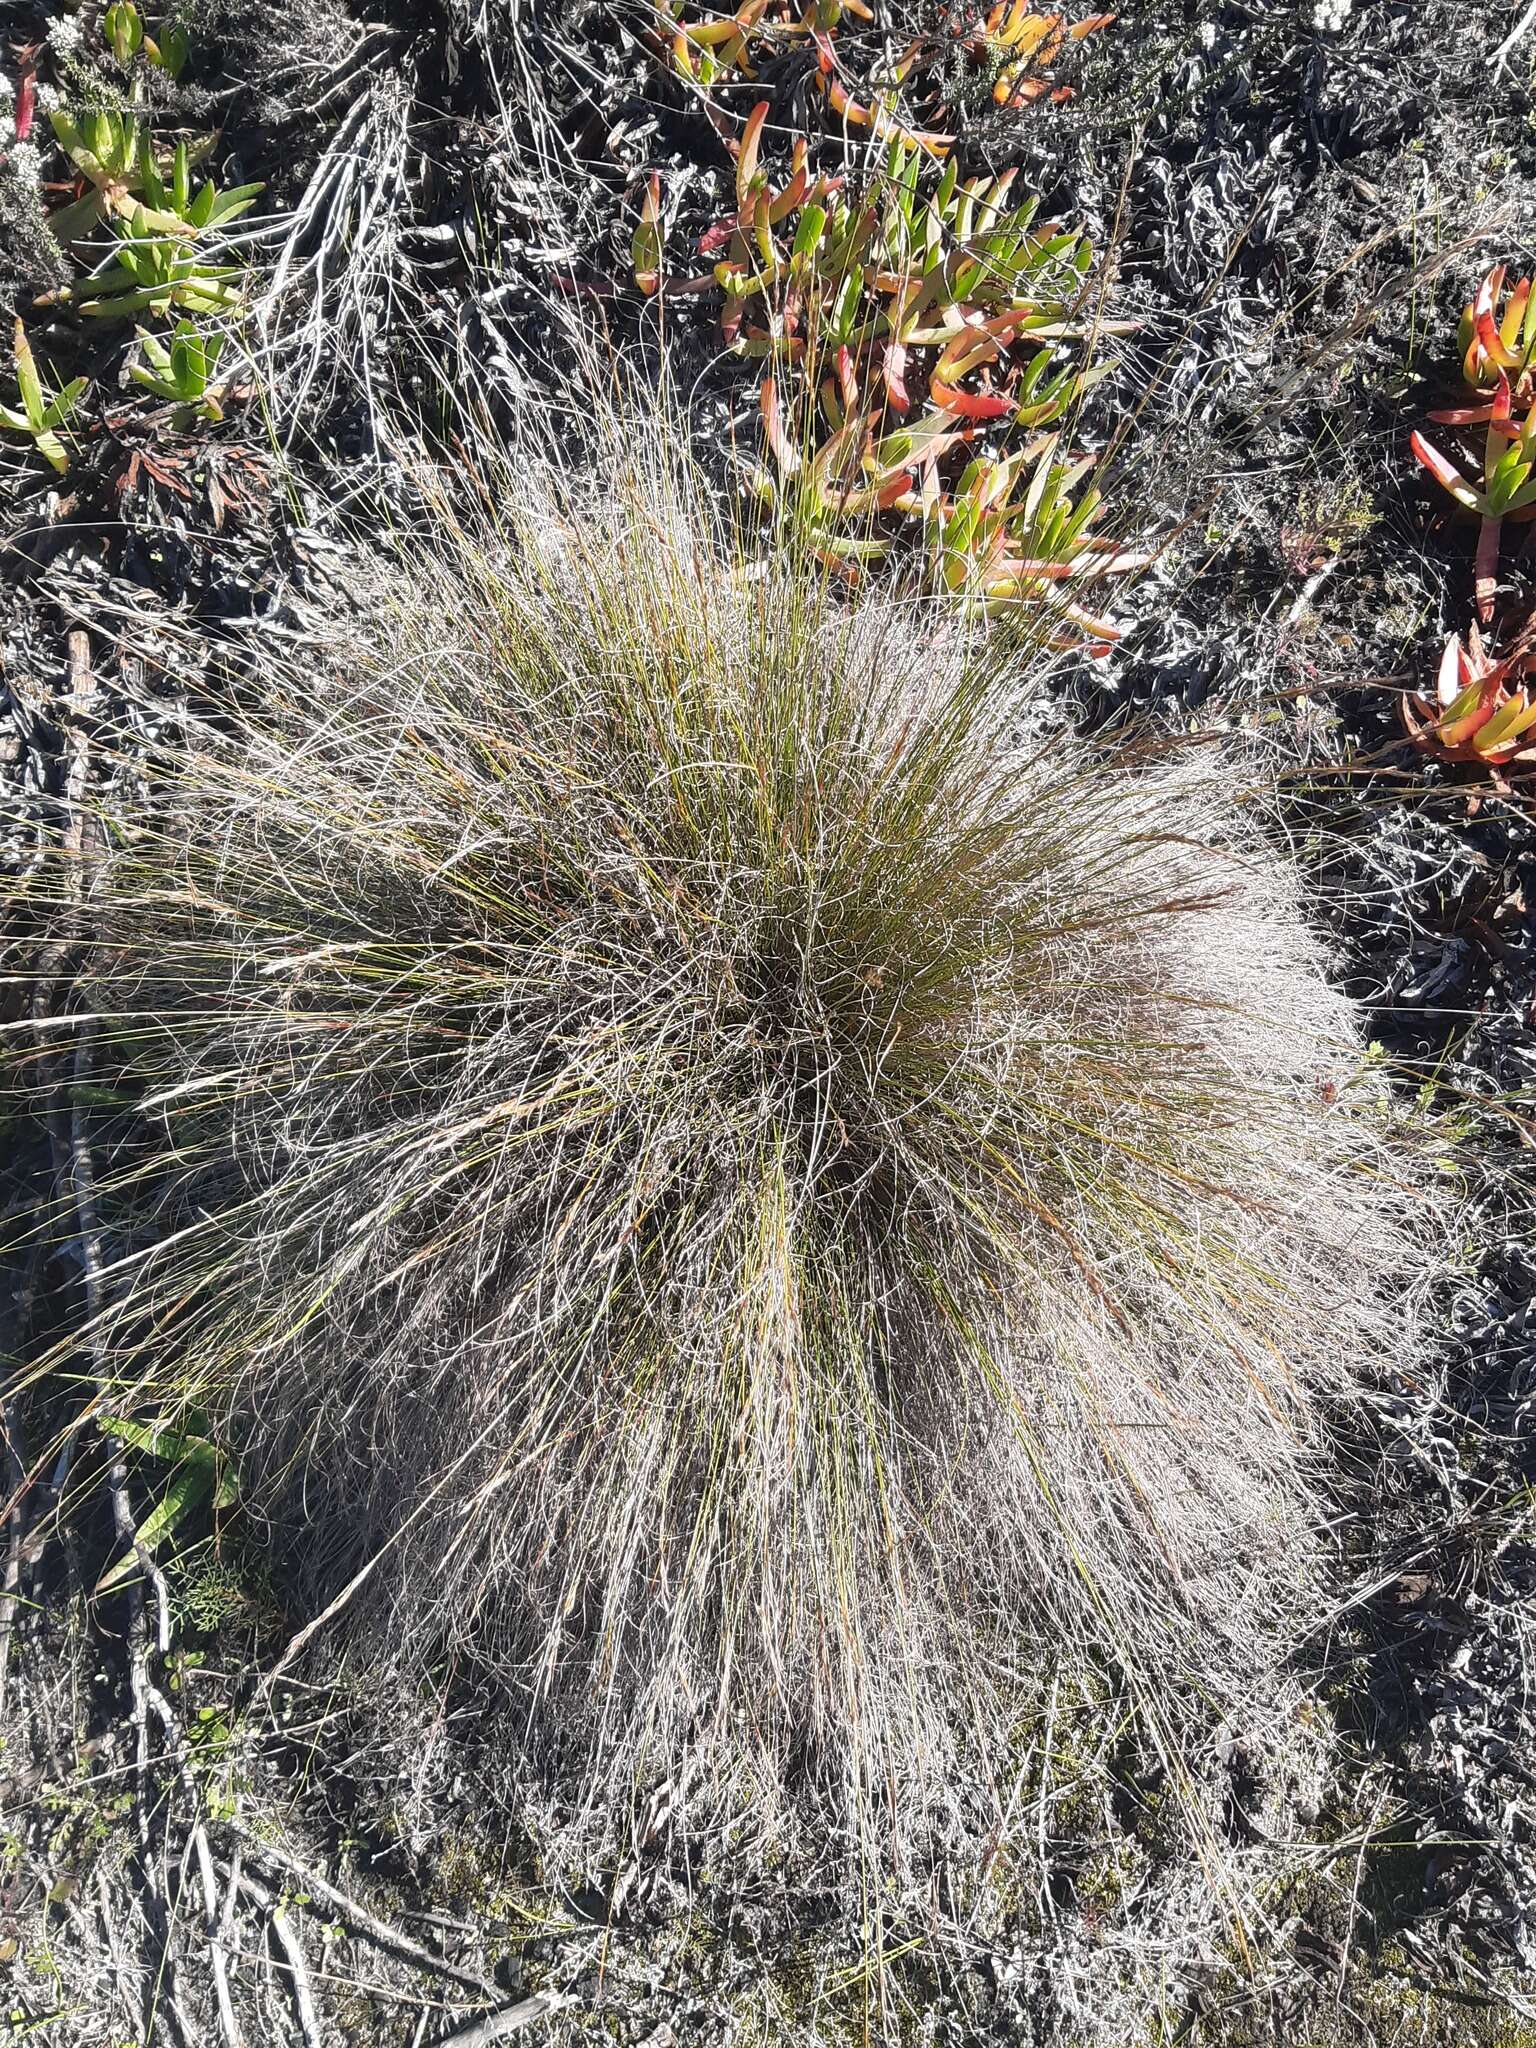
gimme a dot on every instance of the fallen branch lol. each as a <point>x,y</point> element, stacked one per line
<point>496,2026</point>
<point>15,1485</point>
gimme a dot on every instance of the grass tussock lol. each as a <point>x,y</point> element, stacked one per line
<point>753,1195</point>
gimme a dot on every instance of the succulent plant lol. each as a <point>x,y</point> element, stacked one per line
<point>1497,484</point>
<point>42,411</point>
<point>1484,703</point>
<point>104,145</point>
<point>879,113</point>
<point>898,324</point>
<point>124,29</point>
<point>157,266</point>
<point>155,273</point>
<point>962,271</point>
<point>1496,344</point>
<point>706,51</point>
<point>645,248</point>
<point>111,150</point>
<point>1014,534</point>
<point>1019,44</point>
<point>1031,41</point>
<point>1014,41</point>
<point>1482,709</point>
<point>169,200</point>
<point>182,371</point>
<point>720,46</point>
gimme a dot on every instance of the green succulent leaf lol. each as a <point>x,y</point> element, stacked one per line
<point>156,1440</point>
<point>124,29</point>
<point>58,409</point>
<point>28,381</point>
<point>171,49</point>
<point>42,411</point>
<point>200,1471</point>
<point>189,360</point>
<point>189,1486</point>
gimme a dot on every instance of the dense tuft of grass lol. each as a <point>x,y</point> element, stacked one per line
<point>751,1195</point>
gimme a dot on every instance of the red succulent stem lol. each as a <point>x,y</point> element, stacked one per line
<point>1486,568</point>
<point>26,101</point>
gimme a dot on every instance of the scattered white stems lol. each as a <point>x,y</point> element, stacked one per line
<point>1522,28</point>
<point>71,1138</point>
<point>359,1917</point>
<point>336,260</point>
<point>214,1914</point>
<point>231,1893</point>
<point>288,1941</point>
<point>14,1482</point>
<point>374,39</point>
<point>68,1132</point>
<point>1309,590</point>
<point>1368,1837</point>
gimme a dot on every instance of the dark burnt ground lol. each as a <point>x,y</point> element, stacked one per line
<point>1292,209</point>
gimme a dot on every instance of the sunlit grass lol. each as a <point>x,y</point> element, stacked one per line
<point>755,1194</point>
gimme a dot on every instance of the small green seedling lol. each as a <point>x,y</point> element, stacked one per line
<point>42,412</point>
<point>183,371</point>
<point>199,1471</point>
<point>170,49</point>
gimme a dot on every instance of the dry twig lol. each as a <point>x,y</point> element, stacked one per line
<point>358,1916</point>
<point>498,2026</point>
<point>288,1941</point>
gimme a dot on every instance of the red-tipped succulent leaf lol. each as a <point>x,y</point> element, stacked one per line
<point>1482,709</point>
